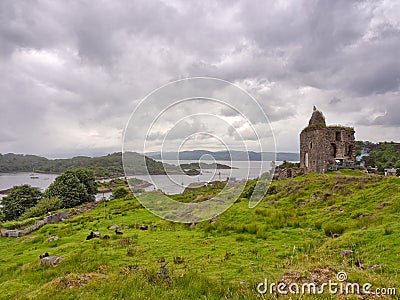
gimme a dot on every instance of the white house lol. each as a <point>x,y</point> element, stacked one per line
<point>390,172</point>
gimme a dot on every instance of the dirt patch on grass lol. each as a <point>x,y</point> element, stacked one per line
<point>76,280</point>
<point>317,276</point>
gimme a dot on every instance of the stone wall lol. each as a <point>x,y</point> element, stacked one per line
<point>289,173</point>
<point>53,218</point>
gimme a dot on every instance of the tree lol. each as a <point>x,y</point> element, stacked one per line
<point>86,177</point>
<point>73,187</point>
<point>19,200</point>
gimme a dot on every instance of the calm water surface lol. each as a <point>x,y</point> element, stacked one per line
<point>170,184</point>
<point>8,180</point>
<point>175,184</point>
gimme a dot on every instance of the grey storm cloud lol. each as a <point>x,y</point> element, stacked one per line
<point>73,71</point>
<point>179,131</point>
<point>335,100</point>
<point>387,115</point>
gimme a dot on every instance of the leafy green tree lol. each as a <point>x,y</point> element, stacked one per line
<point>368,161</point>
<point>120,192</point>
<point>86,177</point>
<point>382,155</point>
<point>19,200</point>
<point>73,187</point>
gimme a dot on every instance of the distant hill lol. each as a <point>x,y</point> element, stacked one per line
<point>103,166</point>
<point>111,165</point>
<point>225,155</point>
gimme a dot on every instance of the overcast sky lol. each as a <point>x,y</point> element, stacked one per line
<point>73,71</point>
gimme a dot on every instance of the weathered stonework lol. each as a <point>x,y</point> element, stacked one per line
<point>289,173</point>
<point>323,147</point>
<point>54,218</point>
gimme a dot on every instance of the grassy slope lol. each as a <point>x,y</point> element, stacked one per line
<point>284,234</point>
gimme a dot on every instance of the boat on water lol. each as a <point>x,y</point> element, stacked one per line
<point>33,174</point>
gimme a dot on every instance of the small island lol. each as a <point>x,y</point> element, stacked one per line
<point>205,166</point>
<point>193,169</point>
<point>192,172</point>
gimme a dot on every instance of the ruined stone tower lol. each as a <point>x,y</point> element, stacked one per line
<point>325,147</point>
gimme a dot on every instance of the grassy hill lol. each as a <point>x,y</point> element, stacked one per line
<point>287,237</point>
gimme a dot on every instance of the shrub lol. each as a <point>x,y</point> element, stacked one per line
<point>388,230</point>
<point>261,234</point>
<point>130,251</point>
<point>240,238</point>
<point>120,192</point>
<point>318,224</point>
<point>179,260</point>
<point>251,228</point>
<point>333,228</point>
<point>43,206</point>
<point>261,212</point>
<point>272,190</point>
<point>248,191</point>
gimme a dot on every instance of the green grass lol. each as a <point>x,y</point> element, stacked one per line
<point>284,235</point>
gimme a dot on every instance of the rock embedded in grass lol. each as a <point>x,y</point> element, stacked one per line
<point>345,253</point>
<point>53,238</point>
<point>51,261</point>
<point>376,266</point>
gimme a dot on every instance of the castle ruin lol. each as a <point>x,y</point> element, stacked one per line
<point>324,148</point>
